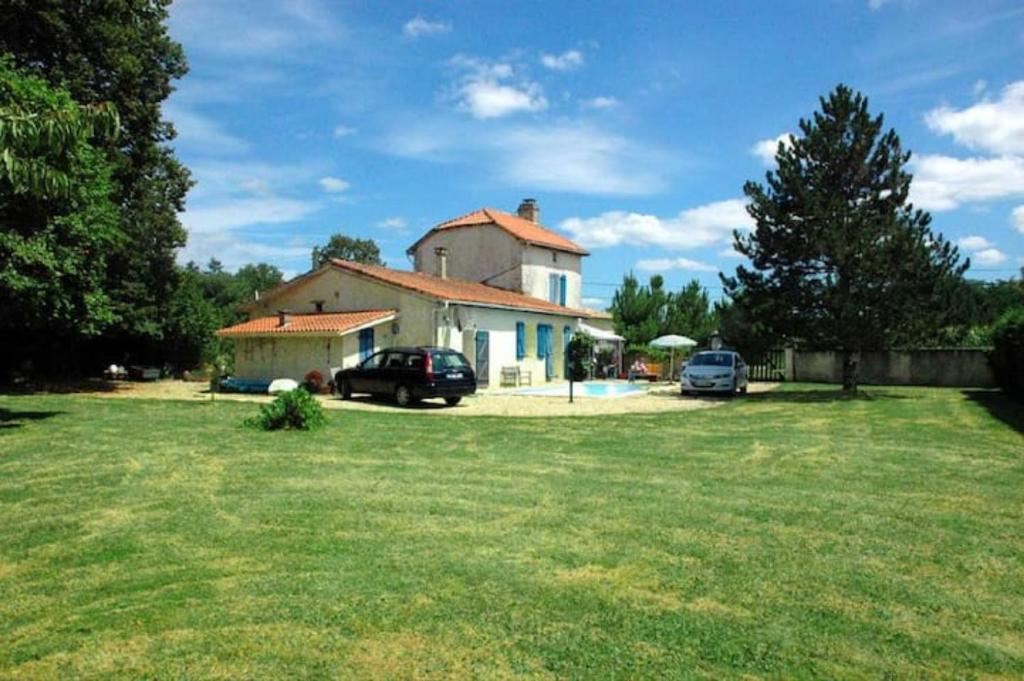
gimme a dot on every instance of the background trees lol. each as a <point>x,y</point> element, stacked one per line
<point>839,259</point>
<point>347,248</point>
<point>642,313</point>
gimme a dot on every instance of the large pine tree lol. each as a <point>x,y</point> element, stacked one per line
<point>839,259</point>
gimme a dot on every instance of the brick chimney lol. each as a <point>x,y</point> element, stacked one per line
<point>284,317</point>
<point>442,261</point>
<point>529,210</point>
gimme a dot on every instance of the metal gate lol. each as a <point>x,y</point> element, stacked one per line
<point>770,365</point>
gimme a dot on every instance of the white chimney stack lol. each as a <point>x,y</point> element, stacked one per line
<point>442,261</point>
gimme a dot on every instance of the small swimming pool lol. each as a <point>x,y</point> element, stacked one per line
<point>588,389</point>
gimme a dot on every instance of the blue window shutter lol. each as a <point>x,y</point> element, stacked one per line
<point>520,340</point>
<point>542,343</point>
<point>365,344</point>
<point>561,290</point>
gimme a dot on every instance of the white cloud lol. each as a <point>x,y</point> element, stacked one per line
<point>944,182</point>
<point>333,185</point>
<point>595,303</point>
<point>344,131</point>
<point>1018,218</point>
<point>490,90</point>
<point>418,26</point>
<point>576,158</point>
<point>692,228</point>
<point>994,126</point>
<point>262,29</point>
<point>229,215</point>
<point>666,264</point>
<point>255,185</point>
<point>730,252</point>
<point>569,157</point>
<point>233,202</point>
<point>567,61</point>
<point>600,103</point>
<point>988,256</point>
<point>974,243</point>
<point>489,99</point>
<point>201,133</point>
<point>398,224</point>
<point>982,251</point>
<point>877,4</point>
<point>765,149</point>
<point>979,87</point>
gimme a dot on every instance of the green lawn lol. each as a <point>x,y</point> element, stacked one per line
<point>788,535</point>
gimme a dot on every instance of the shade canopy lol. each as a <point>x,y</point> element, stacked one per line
<point>673,341</point>
<point>599,334</point>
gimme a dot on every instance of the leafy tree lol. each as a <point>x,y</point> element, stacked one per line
<point>191,322</point>
<point>259,277</point>
<point>1007,356</point>
<point>119,52</point>
<point>348,248</point>
<point>839,258</point>
<point>206,300</point>
<point>57,220</point>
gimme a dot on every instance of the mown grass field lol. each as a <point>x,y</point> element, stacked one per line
<point>788,535</point>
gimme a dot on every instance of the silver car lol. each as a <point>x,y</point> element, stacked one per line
<point>714,371</point>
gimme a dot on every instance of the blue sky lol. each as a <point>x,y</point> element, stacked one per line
<point>633,124</point>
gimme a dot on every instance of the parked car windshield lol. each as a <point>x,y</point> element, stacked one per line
<point>448,360</point>
<point>711,359</point>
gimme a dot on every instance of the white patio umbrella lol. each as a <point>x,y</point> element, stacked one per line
<point>672,341</point>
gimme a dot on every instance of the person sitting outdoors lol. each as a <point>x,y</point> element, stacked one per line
<point>638,369</point>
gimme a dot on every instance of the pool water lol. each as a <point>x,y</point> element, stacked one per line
<point>587,389</point>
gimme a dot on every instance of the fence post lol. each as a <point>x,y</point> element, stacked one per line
<point>789,375</point>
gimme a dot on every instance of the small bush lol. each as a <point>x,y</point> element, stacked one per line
<point>1007,356</point>
<point>295,409</point>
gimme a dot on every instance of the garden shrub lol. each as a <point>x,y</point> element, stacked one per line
<point>295,409</point>
<point>1007,356</point>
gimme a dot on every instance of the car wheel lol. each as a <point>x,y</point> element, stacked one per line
<point>452,401</point>
<point>345,390</point>
<point>403,396</point>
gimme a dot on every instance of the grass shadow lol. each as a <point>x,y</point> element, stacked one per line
<point>1000,405</point>
<point>825,395</point>
<point>13,419</point>
<point>387,402</point>
<point>85,385</point>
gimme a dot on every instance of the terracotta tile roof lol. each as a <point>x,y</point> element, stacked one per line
<point>457,290</point>
<point>597,314</point>
<point>315,323</point>
<point>524,230</point>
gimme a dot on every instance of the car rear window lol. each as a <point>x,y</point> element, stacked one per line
<point>448,360</point>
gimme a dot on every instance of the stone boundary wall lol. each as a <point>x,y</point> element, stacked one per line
<point>959,368</point>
